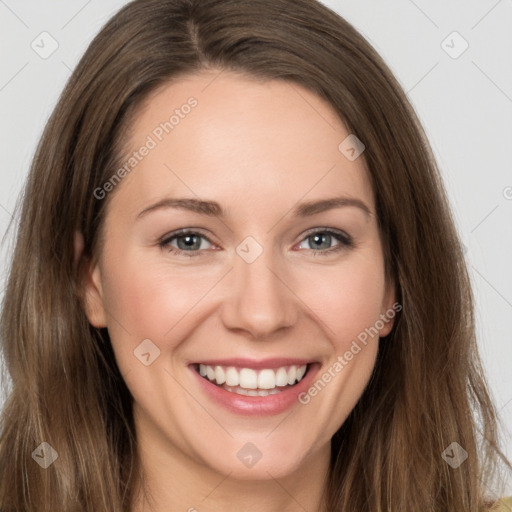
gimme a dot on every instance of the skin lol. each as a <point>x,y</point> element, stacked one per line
<point>258,149</point>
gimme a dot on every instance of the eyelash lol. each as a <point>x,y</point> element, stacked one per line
<point>345,241</point>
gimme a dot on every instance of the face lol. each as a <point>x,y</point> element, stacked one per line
<point>244,309</point>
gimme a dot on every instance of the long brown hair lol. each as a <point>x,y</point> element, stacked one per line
<point>427,390</point>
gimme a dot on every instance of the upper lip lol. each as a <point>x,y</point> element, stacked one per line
<point>241,362</point>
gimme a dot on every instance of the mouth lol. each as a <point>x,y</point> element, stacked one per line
<point>253,382</point>
<point>254,387</point>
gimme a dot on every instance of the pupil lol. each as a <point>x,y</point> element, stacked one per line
<point>322,236</point>
<point>188,241</point>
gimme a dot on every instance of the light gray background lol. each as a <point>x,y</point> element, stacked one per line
<point>465,104</point>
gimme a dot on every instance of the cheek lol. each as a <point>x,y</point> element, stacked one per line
<point>347,301</point>
<point>151,299</point>
<point>347,298</point>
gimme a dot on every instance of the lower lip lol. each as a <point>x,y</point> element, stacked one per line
<point>258,405</point>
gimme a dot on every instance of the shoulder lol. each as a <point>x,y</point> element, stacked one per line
<point>503,505</point>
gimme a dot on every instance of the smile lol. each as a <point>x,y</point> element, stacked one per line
<point>253,382</point>
<point>253,387</point>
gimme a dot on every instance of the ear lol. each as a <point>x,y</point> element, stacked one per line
<point>390,308</point>
<point>90,283</point>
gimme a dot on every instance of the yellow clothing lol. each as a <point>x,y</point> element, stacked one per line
<point>504,505</point>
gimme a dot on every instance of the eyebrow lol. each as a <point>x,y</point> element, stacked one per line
<point>213,209</point>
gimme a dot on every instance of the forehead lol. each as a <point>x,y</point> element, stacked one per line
<point>236,139</point>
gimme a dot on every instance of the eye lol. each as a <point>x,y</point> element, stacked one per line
<point>321,241</point>
<point>185,241</point>
<point>191,243</point>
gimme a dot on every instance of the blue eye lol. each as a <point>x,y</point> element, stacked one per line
<point>187,242</point>
<point>322,240</point>
<point>190,243</point>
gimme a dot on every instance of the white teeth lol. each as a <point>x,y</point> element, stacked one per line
<point>232,377</point>
<point>292,375</point>
<point>252,392</point>
<point>248,379</point>
<point>210,372</point>
<point>267,379</point>
<point>253,382</point>
<point>281,377</point>
<point>220,375</point>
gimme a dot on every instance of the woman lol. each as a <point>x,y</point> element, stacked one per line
<point>237,283</point>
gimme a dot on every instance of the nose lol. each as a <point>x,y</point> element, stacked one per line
<point>259,300</point>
